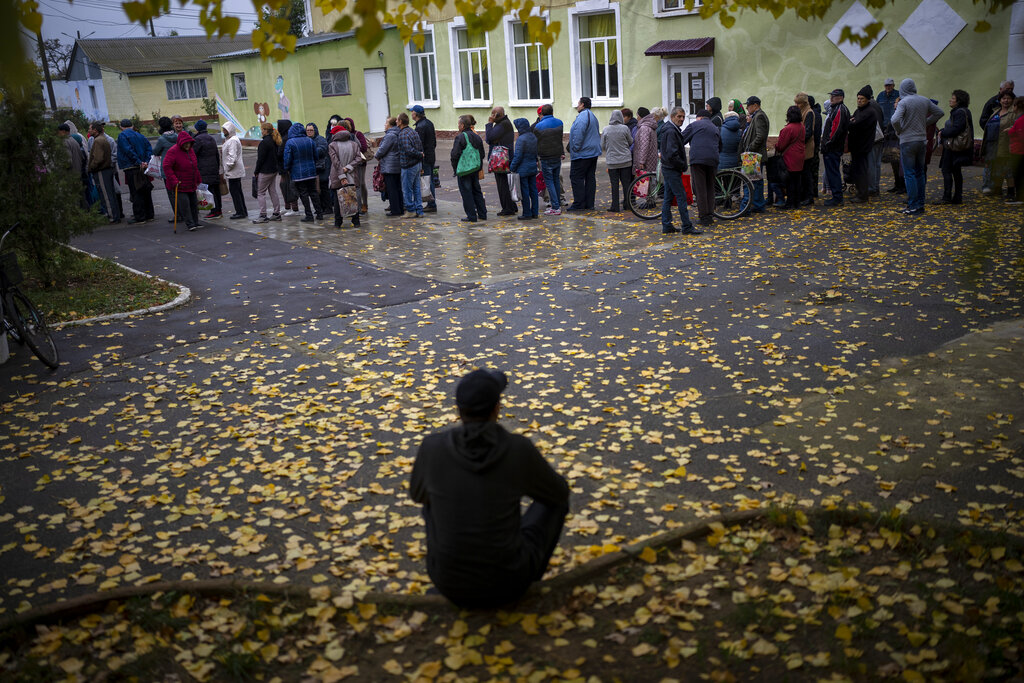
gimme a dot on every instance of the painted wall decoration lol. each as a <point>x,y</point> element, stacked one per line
<point>931,28</point>
<point>262,110</point>
<point>283,103</point>
<point>858,17</point>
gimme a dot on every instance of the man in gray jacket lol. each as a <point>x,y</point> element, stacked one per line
<point>911,119</point>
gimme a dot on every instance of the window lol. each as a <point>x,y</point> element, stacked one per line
<point>422,69</point>
<point>238,81</point>
<point>471,75</point>
<point>598,50</point>
<point>92,95</point>
<point>529,68</point>
<point>669,8</point>
<point>333,82</point>
<point>187,89</point>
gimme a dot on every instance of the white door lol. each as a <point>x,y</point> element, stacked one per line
<point>377,107</point>
<point>687,84</point>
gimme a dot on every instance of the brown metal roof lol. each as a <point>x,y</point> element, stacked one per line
<point>171,54</point>
<point>691,47</point>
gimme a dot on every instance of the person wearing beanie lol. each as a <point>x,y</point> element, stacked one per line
<point>875,161</point>
<point>865,127</point>
<point>205,148</point>
<point>482,551</point>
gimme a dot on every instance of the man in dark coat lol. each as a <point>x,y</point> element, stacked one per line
<point>428,138</point>
<point>833,142</point>
<point>863,125</point>
<point>755,139</point>
<point>482,552</point>
<point>672,148</point>
<point>205,148</point>
<point>550,150</point>
<point>499,132</point>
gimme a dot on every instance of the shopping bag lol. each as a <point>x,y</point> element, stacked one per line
<point>499,160</point>
<point>540,182</point>
<point>205,200</point>
<point>155,168</point>
<point>378,179</point>
<point>642,188</point>
<point>751,165</point>
<point>348,200</point>
<point>513,186</point>
<point>426,191</point>
<point>223,185</point>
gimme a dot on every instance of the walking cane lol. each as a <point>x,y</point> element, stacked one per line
<point>175,209</point>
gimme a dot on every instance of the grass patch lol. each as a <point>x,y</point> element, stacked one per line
<point>92,287</point>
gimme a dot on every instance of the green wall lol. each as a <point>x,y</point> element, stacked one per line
<point>301,82</point>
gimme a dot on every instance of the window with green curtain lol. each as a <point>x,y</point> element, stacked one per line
<point>469,40</point>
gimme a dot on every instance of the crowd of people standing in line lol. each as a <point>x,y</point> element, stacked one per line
<point>295,163</point>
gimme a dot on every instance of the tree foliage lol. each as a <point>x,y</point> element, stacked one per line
<point>37,189</point>
<point>294,12</point>
<point>58,56</point>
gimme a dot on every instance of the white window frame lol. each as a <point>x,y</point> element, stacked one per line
<point>659,10</point>
<point>188,89</point>
<point>427,104</point>
<point>458,99</point>
<point>513,92</point>
<point>234,86</point>
<point>581,9</point>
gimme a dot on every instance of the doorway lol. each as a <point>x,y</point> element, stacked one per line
<point>687,83</point>
<point>377,106</point>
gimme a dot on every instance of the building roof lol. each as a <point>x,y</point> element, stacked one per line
<point>691,47</point>
<point>305,41</point>
<point>170,54</point>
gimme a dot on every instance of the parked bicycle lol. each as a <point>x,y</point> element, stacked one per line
<point>733,194</point>
<point>22,320</point>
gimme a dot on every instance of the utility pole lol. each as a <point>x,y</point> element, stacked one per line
<point>152,31</point>
<point>46,70</point>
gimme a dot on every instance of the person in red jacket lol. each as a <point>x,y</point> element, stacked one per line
<point>1016,133</point>
<point>791,146</point>
<point>181,171</point>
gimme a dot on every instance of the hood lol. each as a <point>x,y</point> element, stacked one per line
<point>73,127</point>
<point>229,129</point>
<point>522,125</point>
<point>732,121</point>
<point>282,127</point>
<point>649,121</point>
<point>184,137</point>
<point>316,131</point>
<point>907,87</point>
<point>616,117</point>
<point>477,445</point>
<point>716,104</point>
<point>351,123</point>
<point>297,131</point>
<point>341,136</point>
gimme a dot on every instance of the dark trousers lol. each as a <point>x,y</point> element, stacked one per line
<point>175,203</point>
<point>108,193</point>
<point>834,174</point>
<point>809,180</point>
<point>702,182</point>
<point>140,191</point>
<point>583,180</point>
<point>291,199</point>
<point>428,170</point>
<point>237,196</point>
<point>620,176</point>
<point>860,168</point>
<point>794,180</point>
<point>218,201</point>
<point>188,208</point>
<point>472,196</point>
<point>326,195</point>
<point>528,193</point>
<point>307,193</point>
<point>540,528</point>
<point>508,206</point>
<point>393,188</point>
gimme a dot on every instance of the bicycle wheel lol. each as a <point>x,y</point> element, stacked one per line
<point>645,196</point>
<point>733,194</point>
<point>32,328</point>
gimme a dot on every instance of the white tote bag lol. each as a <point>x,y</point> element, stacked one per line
<point>513,186</point>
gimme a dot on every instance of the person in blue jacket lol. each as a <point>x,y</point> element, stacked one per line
<point>133,153</point>
<point>524,162</point>
<point>300,162</point>
<point>584,149</point>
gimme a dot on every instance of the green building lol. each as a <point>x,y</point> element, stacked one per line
<point>624,54</point>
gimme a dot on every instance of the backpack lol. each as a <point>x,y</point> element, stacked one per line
<point>469,160</point>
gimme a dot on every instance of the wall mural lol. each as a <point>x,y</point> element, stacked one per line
<point>262,110</point>
<point>283,103</point>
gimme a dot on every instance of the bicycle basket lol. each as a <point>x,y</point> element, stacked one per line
<point>9,270</point>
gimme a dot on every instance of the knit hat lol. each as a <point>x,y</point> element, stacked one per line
<point>866,91</point>
<point>201,126</point>
<point>126,123</point>
<point>479,391</point>
<point>337,128</point>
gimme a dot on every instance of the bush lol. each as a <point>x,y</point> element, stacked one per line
<point>75,116</point>
<point>37,189</point>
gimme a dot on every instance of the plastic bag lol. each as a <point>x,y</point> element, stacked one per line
<point>499,160</point>
<point>513,186</point>
<point>426,188</point>
<point>205,198</point>
<point>155,168</point>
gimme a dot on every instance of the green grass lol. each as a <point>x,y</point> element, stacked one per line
<point>92,287</point>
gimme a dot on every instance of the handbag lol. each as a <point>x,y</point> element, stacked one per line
<point>378,179</point>
<point>469,160</point>
<point>962,141</point>
<point>499,160</point>
<point>513,186</point>
<point>223,185</point>
<point>426,192</point>
<point>155,168</point>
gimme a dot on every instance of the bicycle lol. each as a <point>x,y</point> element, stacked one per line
<point>21,319</point>
<point>733,195</point>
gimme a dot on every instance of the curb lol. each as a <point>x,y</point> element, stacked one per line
<point>184,294</point>
<point>69,609</point>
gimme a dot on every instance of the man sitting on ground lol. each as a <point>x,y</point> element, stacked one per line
<point>470,480</point>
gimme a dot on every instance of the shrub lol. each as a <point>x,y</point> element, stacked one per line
<point>75,116</point>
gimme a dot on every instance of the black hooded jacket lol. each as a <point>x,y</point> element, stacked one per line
<point>716,111</point>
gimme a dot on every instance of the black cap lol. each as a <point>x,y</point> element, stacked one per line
<point>703,113</point>
<point>838,91</point>
<point>753,99</point>
<point>479,391</point>
<point>126,123</point>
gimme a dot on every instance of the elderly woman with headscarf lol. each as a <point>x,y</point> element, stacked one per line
<point>361,165</point>
<point>344,181</point>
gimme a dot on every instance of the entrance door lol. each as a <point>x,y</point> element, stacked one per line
<point>688,84</point>
<point>377,106</point>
